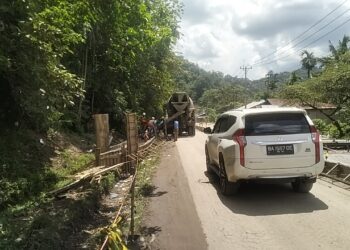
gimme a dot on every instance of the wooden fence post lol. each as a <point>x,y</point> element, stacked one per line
<point>97,156</point>
<point>102,131</point>
<point>131,132</point>
<point>132,145</point>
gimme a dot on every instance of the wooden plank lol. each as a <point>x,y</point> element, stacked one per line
<point>336,165</point>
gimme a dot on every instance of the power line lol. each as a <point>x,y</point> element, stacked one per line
<point>262,59</point>
<point>236,72</point>
<point>296,38</point>
<point>275,60</point>
<point>295,45</point>
<point>245,69</point>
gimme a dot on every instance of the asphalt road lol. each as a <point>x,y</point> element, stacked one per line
<point>264,216</point>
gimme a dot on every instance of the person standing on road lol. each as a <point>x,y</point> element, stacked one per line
<point>151,127</point>
<point>176,129</point>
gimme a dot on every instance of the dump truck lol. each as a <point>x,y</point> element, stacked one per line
<point>180,107</point>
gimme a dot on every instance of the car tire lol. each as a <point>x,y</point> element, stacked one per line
<point>301,186</point>
<point>207,161</point>
<point>226,187</point>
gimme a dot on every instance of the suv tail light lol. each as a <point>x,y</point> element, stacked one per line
<point>315,135</point>
<point>239,137</point>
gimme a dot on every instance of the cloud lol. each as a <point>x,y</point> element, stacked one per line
<point>223,35</point>
<point>200,43</point>
<point>196,11</point>
<point>274,20</point>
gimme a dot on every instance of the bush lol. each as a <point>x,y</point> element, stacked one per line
<point>332,131</point>
<point>211,113</point>
<point>321,126</point>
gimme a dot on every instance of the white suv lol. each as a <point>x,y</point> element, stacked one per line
<point>264,143</point>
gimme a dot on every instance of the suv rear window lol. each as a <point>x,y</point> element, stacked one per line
<point>276,124</point>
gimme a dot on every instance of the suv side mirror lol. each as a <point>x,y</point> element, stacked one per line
<point>207,130</point>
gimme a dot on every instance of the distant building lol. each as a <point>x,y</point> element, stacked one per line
<point>312,112</point>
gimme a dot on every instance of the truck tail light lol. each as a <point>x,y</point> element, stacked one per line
<point>315,135</point>
<point>239,137</point>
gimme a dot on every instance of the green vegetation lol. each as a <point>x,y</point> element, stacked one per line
<point>71,163</point>
<point>61,61</point>
<point>319,81</point>
<point>144,186</point>
<point>211,91</point>
<point>28,170</point>
<point>33,167</point>
<point>308,61</point>
<point>331,85</point>
<point>331,130</point>
<point>49,224</point>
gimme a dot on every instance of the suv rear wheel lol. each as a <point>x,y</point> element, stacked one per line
<point>207,161</point>
<point>302,186</point>
<point>226,187</point>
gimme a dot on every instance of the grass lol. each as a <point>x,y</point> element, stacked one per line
<point>30,166</point>
<point>144,186</point>
<point>143,189</point>
<point>56,224</point>
<point>71,163</point>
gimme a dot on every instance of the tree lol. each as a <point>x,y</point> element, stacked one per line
<point>270,83</point>
<point>308,61</point>
<point>223,98</point>
<point>341,49</point>
<point>331,86</point>
<point>336,52</point>
<point>36,37</point>
<point>63,60</point>
<point>293,78</point>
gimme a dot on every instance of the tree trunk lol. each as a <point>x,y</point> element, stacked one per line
<point>329,116</point>
<point>335,122</point>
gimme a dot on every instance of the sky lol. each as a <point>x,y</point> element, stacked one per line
<point>225,35</point>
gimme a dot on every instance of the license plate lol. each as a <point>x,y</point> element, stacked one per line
<point>286,149</point>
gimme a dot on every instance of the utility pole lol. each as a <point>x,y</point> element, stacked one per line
<point>270,81</point>
<point>245,69</point>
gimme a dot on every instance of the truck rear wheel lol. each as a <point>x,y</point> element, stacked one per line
<point>191,131</point>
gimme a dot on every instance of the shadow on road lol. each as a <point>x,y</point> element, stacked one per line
<point>257,199</point>
<point>145,239</point>
<point>148,190</point>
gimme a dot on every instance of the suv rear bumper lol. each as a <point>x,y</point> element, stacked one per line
<point>236,172</point>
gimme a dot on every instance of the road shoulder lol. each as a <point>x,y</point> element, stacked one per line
<point>171,215</point>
